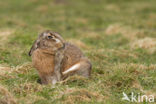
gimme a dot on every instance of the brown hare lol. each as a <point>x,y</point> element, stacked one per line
<point>56,59</point>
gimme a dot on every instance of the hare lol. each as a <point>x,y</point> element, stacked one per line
<point>56,59</point>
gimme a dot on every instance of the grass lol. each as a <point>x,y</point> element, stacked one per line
<point>118,36</point>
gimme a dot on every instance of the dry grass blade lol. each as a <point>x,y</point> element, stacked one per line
<point>4,69</point>
<point>79,95</point>
<point>6,97</point>
<point>23,68</point>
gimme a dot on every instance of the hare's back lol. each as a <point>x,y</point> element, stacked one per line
<point>72,55</point>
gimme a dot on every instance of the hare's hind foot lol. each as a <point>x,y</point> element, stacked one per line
<point>82,68</point>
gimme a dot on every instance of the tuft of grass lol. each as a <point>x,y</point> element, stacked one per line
<point>71,96</point>
<point>6,97</point>
<point>145,43</point>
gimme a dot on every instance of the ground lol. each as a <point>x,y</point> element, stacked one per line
<point>118,36</point>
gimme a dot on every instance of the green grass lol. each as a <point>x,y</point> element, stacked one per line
<point>118,36</point>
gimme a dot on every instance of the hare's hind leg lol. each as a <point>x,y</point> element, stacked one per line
<point>82,68</point>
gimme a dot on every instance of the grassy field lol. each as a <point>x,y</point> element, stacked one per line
<point>118,36</point>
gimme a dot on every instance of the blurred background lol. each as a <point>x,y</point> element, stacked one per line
<point>86,21</point>
<point>118,36</point>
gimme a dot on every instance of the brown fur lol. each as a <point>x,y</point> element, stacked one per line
<point>52,59</point>
<point>72,56</point>
<point>44,63</point>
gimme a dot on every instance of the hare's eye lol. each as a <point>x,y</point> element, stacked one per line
<point>50,37</point>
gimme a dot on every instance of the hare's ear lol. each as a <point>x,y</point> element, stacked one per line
<point>34,47</point>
